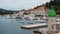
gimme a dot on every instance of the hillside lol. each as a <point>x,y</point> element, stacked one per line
<point>4,11</point>
<point>56,4</point>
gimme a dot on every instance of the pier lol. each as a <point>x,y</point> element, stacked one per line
<point>34,25</point>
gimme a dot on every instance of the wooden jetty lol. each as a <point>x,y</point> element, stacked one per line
<point>34,25</point>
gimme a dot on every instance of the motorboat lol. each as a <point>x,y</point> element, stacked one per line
<point>58,20</point>
<point>18,17</point>
<point>40,20</point>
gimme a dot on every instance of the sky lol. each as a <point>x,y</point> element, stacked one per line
<point>20,4</point>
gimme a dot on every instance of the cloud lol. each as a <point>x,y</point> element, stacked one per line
<point>20,4</point>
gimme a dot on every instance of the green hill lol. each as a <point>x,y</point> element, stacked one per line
<point>4,11</point>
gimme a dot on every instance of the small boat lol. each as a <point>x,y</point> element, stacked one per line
<point>18,17</point>
<point>10,16</point>
<point>58,20</point>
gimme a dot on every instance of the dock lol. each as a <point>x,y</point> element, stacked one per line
<point>34,26</point>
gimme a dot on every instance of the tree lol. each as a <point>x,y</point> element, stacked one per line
<point>56,4</point>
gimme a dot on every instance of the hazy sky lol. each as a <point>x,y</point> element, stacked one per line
<point>20,4</point>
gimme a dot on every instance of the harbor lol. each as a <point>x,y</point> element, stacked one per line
<point>12,26</point>
<point>30,17</point>
<point>36,24</point>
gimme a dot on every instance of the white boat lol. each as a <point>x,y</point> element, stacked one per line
<point>10,16</point>
<point>58,19</point>
<point>6,16</point>
<point>40,20</point>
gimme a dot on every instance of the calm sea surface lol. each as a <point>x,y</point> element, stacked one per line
<point>12,26</point>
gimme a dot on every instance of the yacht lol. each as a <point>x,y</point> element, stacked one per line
<point>40,20</point>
